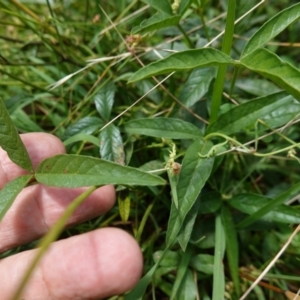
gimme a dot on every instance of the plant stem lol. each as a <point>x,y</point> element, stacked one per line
<point>226,47</point>
<point>187,39</point>
<point>50,237</point>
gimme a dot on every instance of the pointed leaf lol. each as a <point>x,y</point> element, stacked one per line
<point>86,125</point>
<point>160,5</point>
<point>272,28</point>
<point>271,205</point>
<point>111,145</point>
<point>82,137</point>
<point>251,203</point>
<point>24,122</point>
<point>193,175</point>
<point>271,66</point>
<point>11,142</point>
<point>10,191</point>
<point>157,21</point>
<point>247,113</point>
<point>164,128</point>
<point>183,61</point>
<point>257,86</point>
<point>77,171</point>
<point>104,100</point>
<point>282,115</point>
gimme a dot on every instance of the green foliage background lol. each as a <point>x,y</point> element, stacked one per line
<point>228,115</point>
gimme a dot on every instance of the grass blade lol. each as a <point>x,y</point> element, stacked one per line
<point>219,277</point>
<point>232,247</point>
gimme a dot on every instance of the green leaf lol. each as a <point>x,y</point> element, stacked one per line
<point>251,203</point>
<point>173,179</point>
<point>271,66</point>
<point>271,205</point>
<point>163,128</point>
<point>183,61</point>
<point>171,258</point>
<point>82,137</point>
<point>86,125</point>
<point>247,113</point>
<point>232,247</point>
<point>140,289</point>
<point>282,115</point>
<point>203,263</point>
<point>219,277</point>
<point>157,21</point>
<point>193,175</point>
<point>210,203</point>
<point>196,86</point>
<point>77,171</point>
<point>204,233</point>
<point>257,86</point>
<point>174,225</point>
<point>111,145</point>
<point>160,5</point>
<point>10,191</point>
<point>11,142</point>
<point>23,122</point>
<point>153,165</point>
<point>104,100</point>
<point>184,5</point>
<point>188,289</point>
<point>188,225</point>
<point>272,28</point>
<point>181,271</point>
<point>124,208</point>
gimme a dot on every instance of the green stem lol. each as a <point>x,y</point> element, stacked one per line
<point>235,142</point>
<point>187,39</point>
<point>201,10</point>
<point>50,237</point>
<point>226,47</point>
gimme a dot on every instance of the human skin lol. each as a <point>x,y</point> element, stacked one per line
<point>93,265</point>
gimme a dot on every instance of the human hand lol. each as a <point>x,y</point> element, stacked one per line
<point>93,265</point>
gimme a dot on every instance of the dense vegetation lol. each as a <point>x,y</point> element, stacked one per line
<point>221,131</point>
